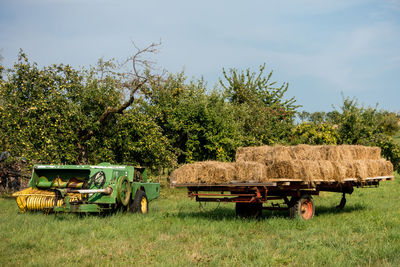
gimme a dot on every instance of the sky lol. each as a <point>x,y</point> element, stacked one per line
<point>323,49</point>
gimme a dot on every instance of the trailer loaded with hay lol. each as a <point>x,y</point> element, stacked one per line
<point>87,189</point>
<point>290,175</point>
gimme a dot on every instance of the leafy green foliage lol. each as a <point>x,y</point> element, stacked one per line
<point>254,87</point>
<point>357,124</point>
<point>315,134</point>
<point>265,115</point>
<point>137,139</point>
<point>52,115</point>
<point>206,126</point>
<point>38,114</point>
<point>199,126</point>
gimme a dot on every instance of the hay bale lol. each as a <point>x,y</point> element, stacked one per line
<point>306,170</point>
<point>373,168</point>
<point>324,170</point>
<point>362,169</point>
<point>210,172</point>
<point>263,154</point>
<point>250,171</point>
<point>187,173</point>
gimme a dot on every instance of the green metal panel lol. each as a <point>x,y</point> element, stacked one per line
<point>63,178</point>
<point>152,190</point>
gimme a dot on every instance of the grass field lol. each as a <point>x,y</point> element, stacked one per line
<point>177,233</point>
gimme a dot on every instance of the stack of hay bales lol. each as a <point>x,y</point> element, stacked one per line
<point>302,162</point>
<point>325,163</point>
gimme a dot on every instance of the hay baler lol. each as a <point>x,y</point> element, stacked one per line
<point>87,188</point>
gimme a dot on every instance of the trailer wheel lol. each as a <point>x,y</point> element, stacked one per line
<point>123,191</point>
<point>139,203</point>
<point>248,210</point>
<point>302,207</point>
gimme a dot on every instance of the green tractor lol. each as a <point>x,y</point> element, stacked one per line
<point>87,188</point>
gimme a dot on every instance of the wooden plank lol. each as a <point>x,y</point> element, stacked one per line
<point>349,180</point>
<point>380,178</point>
<point>285,182</point>
<point>224,184</point>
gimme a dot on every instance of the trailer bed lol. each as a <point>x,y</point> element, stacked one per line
<point>288,182</point>
<point>250,196</point>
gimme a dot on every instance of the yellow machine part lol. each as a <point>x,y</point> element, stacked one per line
<point>33,199</point>
<point>58,182</point>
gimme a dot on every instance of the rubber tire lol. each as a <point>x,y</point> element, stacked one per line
<point>123,197</point>
<point>136,205</point>
<point>248,210</point>
<point>297,205</point>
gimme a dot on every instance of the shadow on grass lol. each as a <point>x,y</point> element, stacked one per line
<point>229,214</point>
<point>65,216</point>
<point>223,213</point>
<point>333,210</point>
<point>218,214</point>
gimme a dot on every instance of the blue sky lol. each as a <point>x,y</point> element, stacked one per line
<point>322,48</point>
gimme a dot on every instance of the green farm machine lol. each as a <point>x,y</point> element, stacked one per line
<point>87,188</point>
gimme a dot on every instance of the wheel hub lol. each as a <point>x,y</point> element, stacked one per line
<point>306,210</point>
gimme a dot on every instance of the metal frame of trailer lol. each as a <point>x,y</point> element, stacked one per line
<point>250,196</point>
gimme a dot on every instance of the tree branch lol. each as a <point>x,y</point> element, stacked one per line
<point>135,81</point>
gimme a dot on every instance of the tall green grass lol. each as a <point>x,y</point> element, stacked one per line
<point>177,233</point>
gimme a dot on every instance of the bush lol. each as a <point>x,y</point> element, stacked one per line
<point>315,134</point>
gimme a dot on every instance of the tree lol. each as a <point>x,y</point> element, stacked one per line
<point>315,134</point>
<point>254,88</point>
<point>130,83</point>
<point>198,125</point>
<point>358,125</point>
<point>265,115</point>
<point>61,115</point>
<point>37,111</point>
